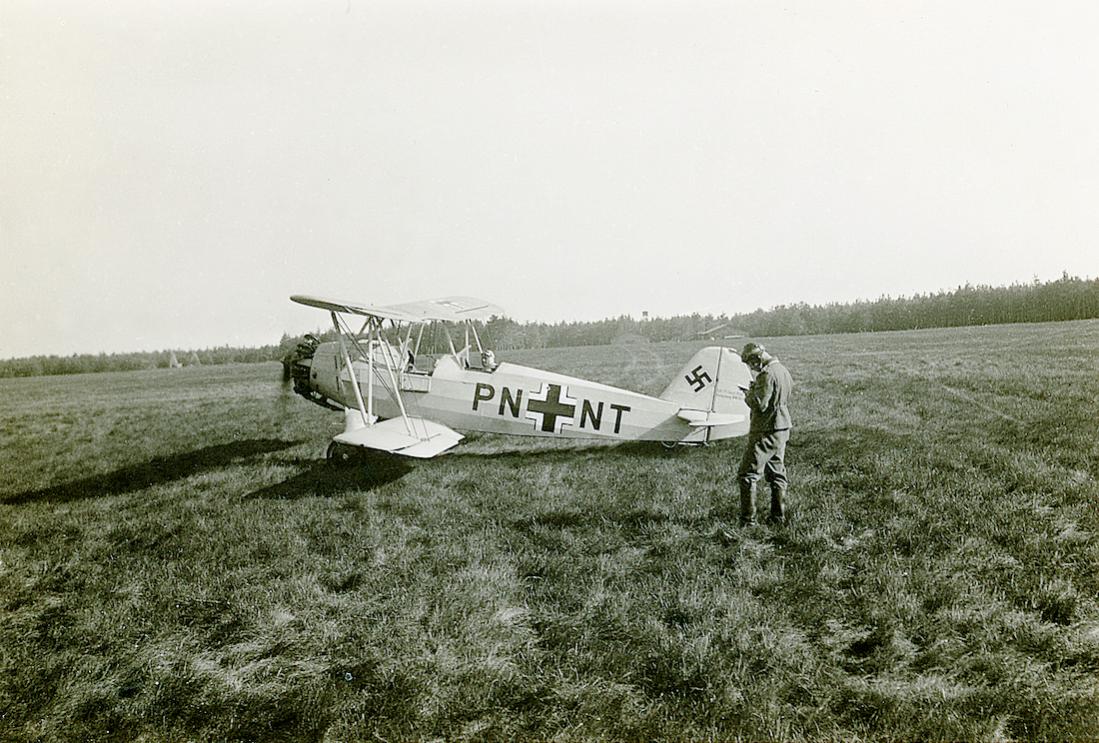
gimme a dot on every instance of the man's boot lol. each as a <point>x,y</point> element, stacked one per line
<point>747,504</point>
<point>778,504</point>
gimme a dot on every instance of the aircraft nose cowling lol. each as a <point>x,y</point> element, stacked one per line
<point>301,367</point>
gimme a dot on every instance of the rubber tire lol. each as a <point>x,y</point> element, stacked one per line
<point>338,453</point>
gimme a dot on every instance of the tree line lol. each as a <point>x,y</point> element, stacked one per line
<point>83,363</point>
<point>1066,298</point>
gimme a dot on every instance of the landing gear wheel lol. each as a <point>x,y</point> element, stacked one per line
<point>670,445</point>
<point>338,453</point>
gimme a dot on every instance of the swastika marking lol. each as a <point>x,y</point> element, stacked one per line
<point>697,378</point>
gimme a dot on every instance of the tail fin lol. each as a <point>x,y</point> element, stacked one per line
<point>714,381</point>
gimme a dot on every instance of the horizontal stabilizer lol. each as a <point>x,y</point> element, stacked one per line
<point>705,419</point>
<point>429,438</point>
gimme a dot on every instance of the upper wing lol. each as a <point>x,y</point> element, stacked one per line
<point>448,309</point>
<point>354,308</point>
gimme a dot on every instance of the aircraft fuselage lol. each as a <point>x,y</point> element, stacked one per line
<point>510,399</point>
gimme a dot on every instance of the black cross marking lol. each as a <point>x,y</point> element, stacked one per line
<point>551,408</point>
<point>699,379</point>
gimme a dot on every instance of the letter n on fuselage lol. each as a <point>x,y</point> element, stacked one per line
<point>511,403</point>
<point>595,416</point>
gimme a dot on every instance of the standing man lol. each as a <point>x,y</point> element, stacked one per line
<point>768,398</point>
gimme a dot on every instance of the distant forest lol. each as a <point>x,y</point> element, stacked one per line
<point>84,363</point>
<point>1067,298</point>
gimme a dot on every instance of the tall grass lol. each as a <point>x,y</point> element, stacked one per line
<point>176,562</point>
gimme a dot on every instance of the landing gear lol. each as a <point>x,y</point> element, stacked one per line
<point>338,453</point>
<point>669,445</point>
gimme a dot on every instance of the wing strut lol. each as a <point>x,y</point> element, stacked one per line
<point>375,330</point>
<point>370,363</point>
<point>422,438</point>
<point>367,412</point>
<point>389,362</point>
<point>419,337</point>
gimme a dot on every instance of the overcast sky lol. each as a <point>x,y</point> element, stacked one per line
<point>170,172</point>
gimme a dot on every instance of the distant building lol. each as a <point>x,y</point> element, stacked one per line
<point>193,361</point>
<point>173,362</point>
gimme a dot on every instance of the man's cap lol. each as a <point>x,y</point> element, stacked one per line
<point>751,351</point>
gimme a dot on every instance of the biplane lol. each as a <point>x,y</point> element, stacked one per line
<point>397,400</point>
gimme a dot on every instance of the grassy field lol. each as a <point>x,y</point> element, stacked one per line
<point>177,563</point>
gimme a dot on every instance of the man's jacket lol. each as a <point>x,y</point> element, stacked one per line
<point>769,397</point>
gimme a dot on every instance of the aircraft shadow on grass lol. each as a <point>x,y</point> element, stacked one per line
<point>624,451</point>
<point>366,470</point>
<point>156,471</point>
<point>363,472</point>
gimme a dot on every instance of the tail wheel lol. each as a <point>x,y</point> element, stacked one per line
<point>669,445</point>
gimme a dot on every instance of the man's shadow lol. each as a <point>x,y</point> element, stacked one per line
<point>156,471</point>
